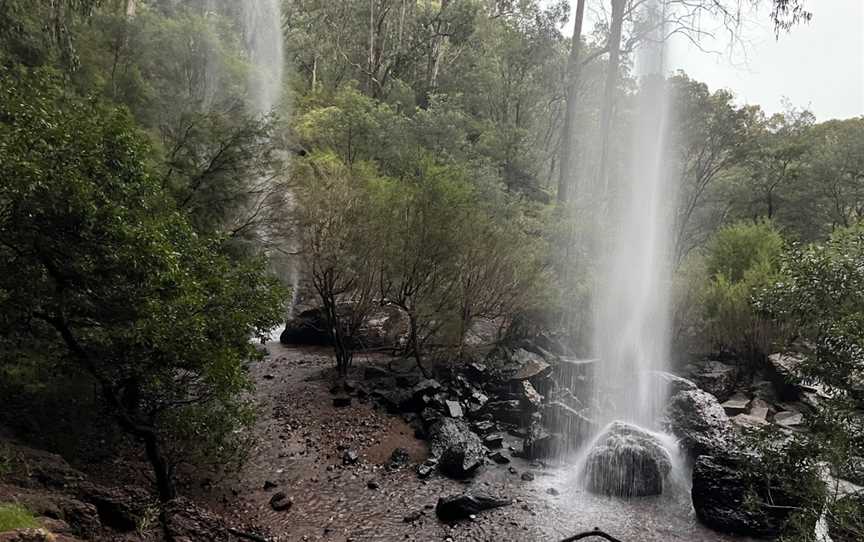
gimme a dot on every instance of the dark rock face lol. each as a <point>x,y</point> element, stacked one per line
<point>509,411</point>
<point>118,508</point>
<point>717,378</point>
<point>627,462</point>
<point>727,499</point>
<point>699,421</point>
<point>573,424</point>
<point>456,507</point>
<point>459,450</point>
<point>386,326</point>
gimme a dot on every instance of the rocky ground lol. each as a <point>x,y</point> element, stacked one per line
<point>306,461</point>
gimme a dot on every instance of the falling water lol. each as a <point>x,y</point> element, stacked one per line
<point>262,29</point>
<point>632,317</point>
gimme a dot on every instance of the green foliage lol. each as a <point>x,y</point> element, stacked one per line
<point>15,516</point>
<point>741,260</point>
<point>96,257</point>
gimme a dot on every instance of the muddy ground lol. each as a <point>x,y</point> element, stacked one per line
<point>302,438</point>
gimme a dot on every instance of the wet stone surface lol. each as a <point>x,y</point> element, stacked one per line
<point>303,440</point>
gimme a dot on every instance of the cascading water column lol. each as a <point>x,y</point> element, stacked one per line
<point>632,328</point>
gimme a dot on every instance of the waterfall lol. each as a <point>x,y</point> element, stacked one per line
<point>632,328</point>
<point>262,30</point>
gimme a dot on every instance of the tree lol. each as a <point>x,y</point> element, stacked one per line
<point>566,166</point>
<point>96,259</point>
<point>334,224</point>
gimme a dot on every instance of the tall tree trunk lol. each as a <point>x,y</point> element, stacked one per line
<point>609,93</point>
<point>568,151</point>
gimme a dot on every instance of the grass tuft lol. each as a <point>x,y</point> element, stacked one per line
<point>15,516</point>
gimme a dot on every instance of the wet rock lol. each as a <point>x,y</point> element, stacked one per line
<point>494,441</point>
<point>500,458</point>
<point>350,457</point>
<point>749,421</point>
<point>477,372</point>
<point>717,378</point>
<point>698,420</point>
<point>453,409</point>
<point>457,507</point>
<point>528,365</point>
<point>413,516</point>
<point>484,427</point>
<point>529,398</point>
<point>552,491</point>
<point>540,443</point>
<point>281,502</point>
<point>426,387</point>
<point>759,409</point>
<point>627,461</point>
<point>372,484</point>
<point>424,471</point>
<point>573,424</point>
<point>723,497</point>
<point>270,485</point>
<point>527,477</point>
<point>789,419</point>
<point>398,459</point>
<point>342,402</point>
<point>394,400</point>
<point>509,412</point>
<point>459,450</point>
<point>737,404</point>
<point>674,384</point>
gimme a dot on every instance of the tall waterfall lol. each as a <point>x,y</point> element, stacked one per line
<point>262,29</point>
<point>632,328</point>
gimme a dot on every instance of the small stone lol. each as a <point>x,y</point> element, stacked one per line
<point>552,491</point>
<point>737,404</point>
<point>454,409</point>
<point>512,470</point>
<point>269,485</point>
<point>350,457</point>
<point>281,502</point>
<point>527,477</point>
<point>372,484</point>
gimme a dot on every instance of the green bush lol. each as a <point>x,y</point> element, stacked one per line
<point>742,260</point>
<point>14,516</point>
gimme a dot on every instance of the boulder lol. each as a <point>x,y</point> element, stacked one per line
<point>528,365</point>
<point>528,396</point>
<point>509,412</point>
<point>281,502</point>
<point>82,518</point>
<point>737,404</point>
<point>626,461</point>
<point>726,497</point>
<point>759,409</point>
<point>673,383</point>
<point>122,509</point>
<point>699,422</point>
<point>789,419</point>
<point>385,326</point>
<point>782,371</point>
<point>459,451</point>
<point>717,378</point>
<point>456,507</point>
<point>398,459</point>
<point>394,400</point>
<point>540,443</point>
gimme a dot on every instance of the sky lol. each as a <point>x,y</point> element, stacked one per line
<point>818,65</point>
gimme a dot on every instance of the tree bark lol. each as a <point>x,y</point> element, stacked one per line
<point>609,93</point>
<point>568,151</point>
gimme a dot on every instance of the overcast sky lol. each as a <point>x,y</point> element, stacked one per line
<point>819,65</point>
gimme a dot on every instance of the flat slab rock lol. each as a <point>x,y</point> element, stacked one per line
<point>457,507</point>
<point>737,404</point>
<point>788,418</point>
